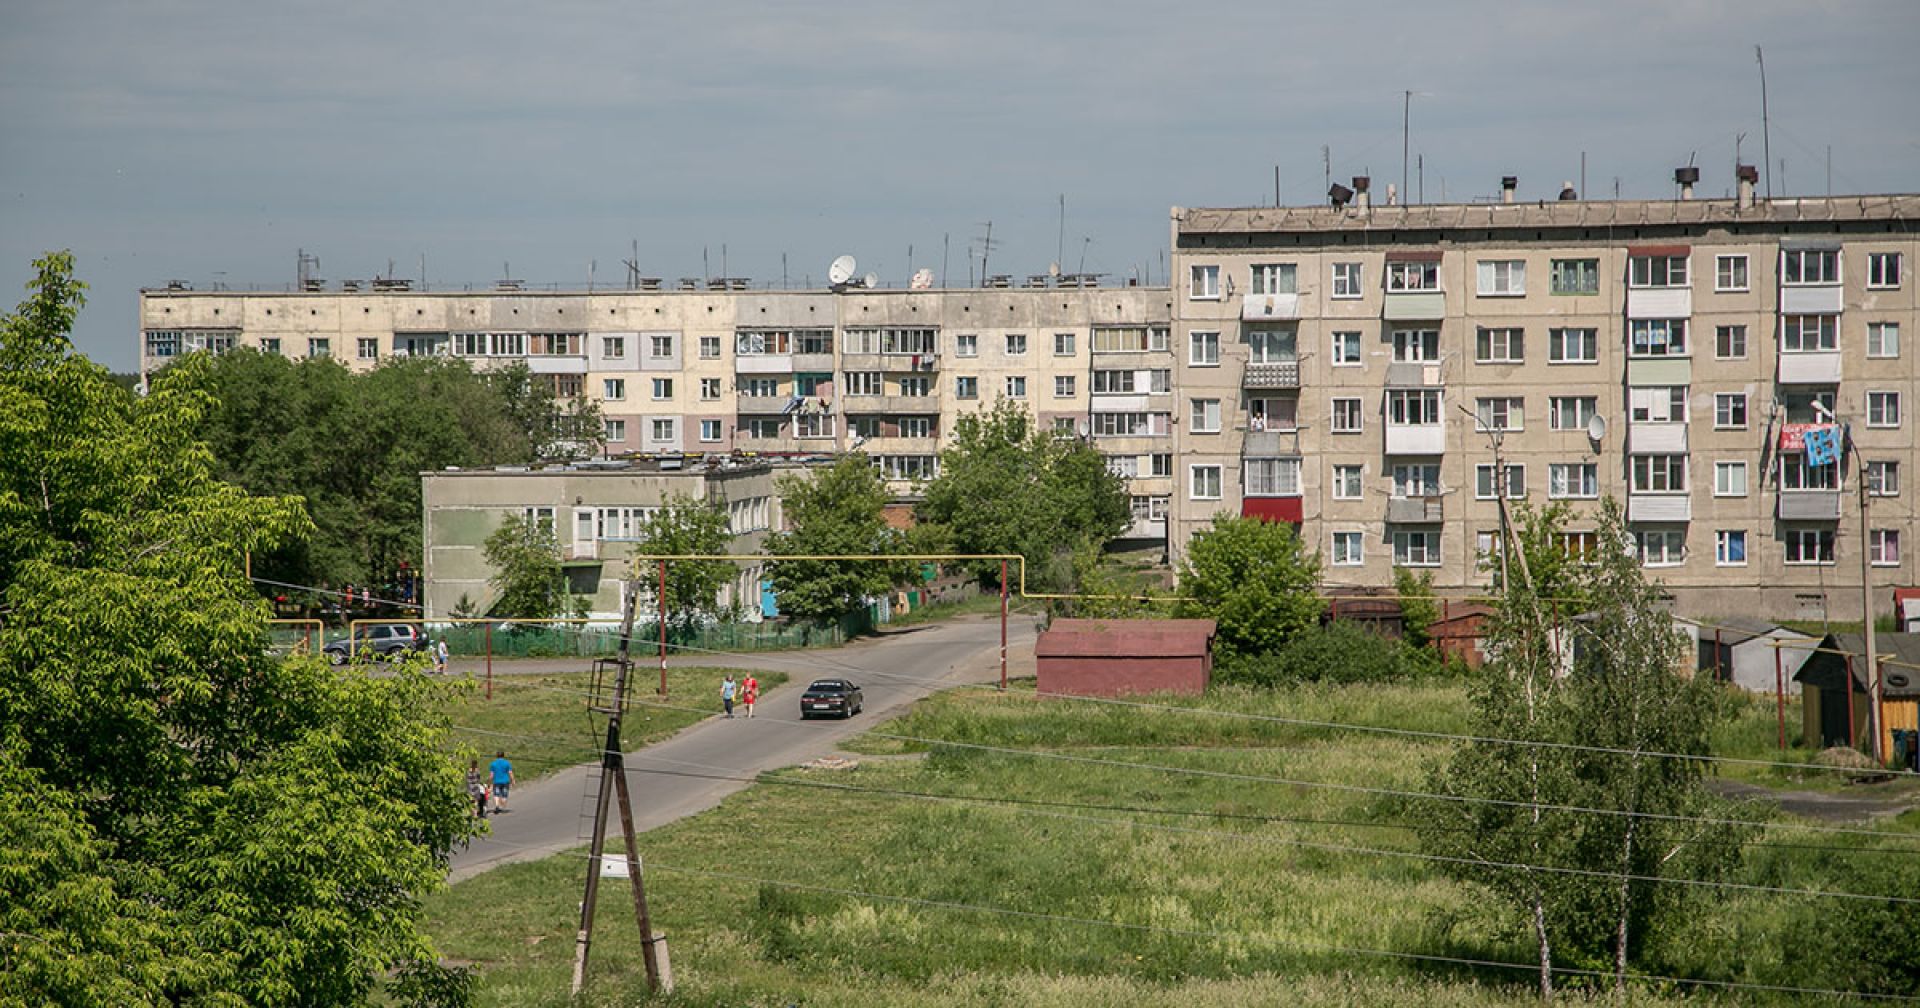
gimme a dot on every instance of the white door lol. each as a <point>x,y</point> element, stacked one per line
<point>585,545</point>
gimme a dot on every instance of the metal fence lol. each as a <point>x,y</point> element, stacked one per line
<point>590,639</point>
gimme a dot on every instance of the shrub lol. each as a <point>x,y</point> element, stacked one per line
<point>1340,652</point>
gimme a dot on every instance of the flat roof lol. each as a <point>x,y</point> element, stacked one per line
<point>1545,214</point>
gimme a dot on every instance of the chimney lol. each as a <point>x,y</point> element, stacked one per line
<point>1508,183</point>
<point>1566,191</point>
<point>1360,184</point>
<point>1748,175</point>
<point>1339,195</point>
<point>1686,176</point>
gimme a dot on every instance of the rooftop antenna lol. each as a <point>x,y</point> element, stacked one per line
<point>1326,166</point>
<point>1276,185</point>
<point>1060,250</point>
<point>633,267</point>
<point>1766,134</point>
<point>986,249</point>
<point>841,271</point>
<point>1085,240</point>
<point>1420,166</point>
<point>1583,171</point>
<point>1406,115</point>
<point>946,246</point>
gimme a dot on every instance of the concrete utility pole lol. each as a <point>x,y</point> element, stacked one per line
<point>1874,713</point>
<point>613,776</point>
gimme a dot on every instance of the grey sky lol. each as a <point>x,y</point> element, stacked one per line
<point>203,142</point>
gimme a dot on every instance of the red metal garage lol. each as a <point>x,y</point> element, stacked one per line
<point>1114,657</point>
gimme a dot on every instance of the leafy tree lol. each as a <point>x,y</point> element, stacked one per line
<point>1417,607</point>
<point>1106,590</point>
<point>835,510</point>
<point>1256,580</point>
<point>1582,741</point>
<point>1342,651</point>
<point>547,426</point>
<point>1008,486</point>
<point>685,526</point>
<point>525,557</point>
<point>1561,576</point>
<point>184,818</point>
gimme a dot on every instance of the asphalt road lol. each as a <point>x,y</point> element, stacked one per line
<point>554,814</point>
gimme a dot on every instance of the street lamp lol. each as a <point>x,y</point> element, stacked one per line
<point>1866,579</point>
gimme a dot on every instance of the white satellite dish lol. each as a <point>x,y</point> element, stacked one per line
<point>842,270</point>
<point>922,279</point>
<point>871,280</point>
<point>1597,427</point>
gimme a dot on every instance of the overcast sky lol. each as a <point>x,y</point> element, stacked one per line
<point>207,142</point>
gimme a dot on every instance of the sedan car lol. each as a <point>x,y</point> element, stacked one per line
<point>389,641</point>
<point>831,696</point>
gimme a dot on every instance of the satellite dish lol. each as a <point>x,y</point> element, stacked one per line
<point>1597,427</point>
<point>922,279</point>
<point>842,270</point>
<point>871,280</point>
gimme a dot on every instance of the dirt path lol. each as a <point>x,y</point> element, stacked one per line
<point>1866,806</point>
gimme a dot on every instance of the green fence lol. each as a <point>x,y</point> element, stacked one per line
<point>595,639</point>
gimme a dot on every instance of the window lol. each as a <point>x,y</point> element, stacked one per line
<point>1657,271</point>
<point>1796,474</point>
<point>1659,474</point>
<point>1347,482</point>
<point>1122,425</point>
<point>1809,267</point>
<point>1573,480</point>
<point>1807,407</point>
<point>1348,548</point>
<point>1124,466</point>
<point>1501,277</point>
<point>270,344</point>
<point>1129,339</point>
<point>663,430</point>
<point>907,467</point>
<point>1016,386</point>
<point>759,343</point>
<point>1346,280</point>
<point>1146,508</point>
<point>1160,381</point>
<point>1730,342</point>
<point>1809,546</point>
<point>1657,404</point>
<point>613,389</point>
<point>1730,273</point>
<point>1571,413</point>
<point>367,348</point>
<point>319,348</point>
<point>469,344</point>
<point>1883,548</point>
<point>1416,549</point>
<point>1730,548</point>
<point>813,341</point>
<point>709,389</point>
<point>1883,339</point>
<point>507,344</point>
<point>1162,464</point>
<point>1203,348</point>
<point>613,346</point>
<point>1500,346</point>
<point>660,347</point>
<point>966,344</point>
<point>1205,283</point>
<point>1883,479</point>
<point>916,388</point>
<point>709,348</point>
<point>1416,480</point>
<point>1809,333</point>
<point>1573,346</point>
<point>1499,414</point>
<point>1883,409</point>
<point>1407,277</point>
<point>1063,386</point>
<point>1016,344</point>
<point>1108,382</point>
<point>1063,344</point>
<point>1272,278</point>
<point>760,388</point>
<point>1576,276</point>
<point>1273,477</point>
<point>568,386</point>
<point>863,383</point>
<point>1277,413</point>
<point>663,388</point>
<point>1483,482</point>
<point>1730,411</point>
<point>616,430</point>
<point>1729,479</point>
<point>1272,346</point>
<point>1883,269</point>
<point>1206,416</point>
<point>1662,547</point>
<point>813,425</point>
<point>1346,349</point>
<point>1203,482</point>
<point>1346,416</point>
<point>1659,337</point>
<point>1416,345</point>
<point>709,430</point>
<point>917,426</point>
<point>763,427</point>
<point>1414,407</point>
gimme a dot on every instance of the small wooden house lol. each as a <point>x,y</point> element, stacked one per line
<point>1835,699</point>
<point>1080,657</point>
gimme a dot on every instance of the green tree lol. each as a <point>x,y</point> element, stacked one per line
<point>1256,580</point>
<point>1417,607</point>
<point>1585,740</point>
<point>183,817</point>
<point>838,509</point>
<point>1008,486</point>
<point>527,579</point>
<point>685,526</point>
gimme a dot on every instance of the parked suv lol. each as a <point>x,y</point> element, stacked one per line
<point>385,641</point>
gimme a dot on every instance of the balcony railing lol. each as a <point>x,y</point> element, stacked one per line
<point>1271,375</point>
<point>1808,505</point>
<point>1415,510</point>
<point>1659,507</point>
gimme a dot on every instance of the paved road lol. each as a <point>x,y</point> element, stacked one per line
<point>893,671</point>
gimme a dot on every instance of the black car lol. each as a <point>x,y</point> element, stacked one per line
<point>385,641</point>
<point>831,696</point>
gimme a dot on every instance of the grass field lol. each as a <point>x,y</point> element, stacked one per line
<point>941,875</point>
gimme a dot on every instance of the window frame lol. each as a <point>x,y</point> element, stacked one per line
<point>1731,274</point>
<point>1499,413</point>
<point>1063,386</point>
<point>1348,281</point>
<point>1197,415</point>
<point>1878,334</point>
<point>1413,276</point>
<point>1500,345</point>
<point>1345,473</point>
<point>1344,404</point>
<point>966,344</point>
<point>1793,268</point>
<point>1016,344</point>
<point>1885,402</point>
<point>1577,480</point>
<point>1500,278</point>
<point>1883,270</point>
<point>1883,547</point>
<point>1199,340</point>
<point>1796,541</point>
<point>1587,337</point>
<point>1271,484</point>
<point>1355,552</point>
<point>1586,273</point>
<point>1584,414</point>
<point>1673,547</point>
<point>1642,275</point>
<point>1878,481</point>
<point>1794,333</point>
<point>966,387</point>
<point>1345,341</point>
<point>1400,404</point>
<point>613,390</point>
<point>1724,475</point>
<point>1662,474</point>
<point>1203,282</point>
<point>1065,344</point>
<point>1723,539</point>
<point>1483,480</point>
<point>1726,338</point>
<point>1269,278</point>
<point>1015,387</point>
<point>1725,405</point>
<point>609,426</point>
<point>1657,339</point>
<point>1193,481</point>
<point>1430,547</point>
<point>718,431</point>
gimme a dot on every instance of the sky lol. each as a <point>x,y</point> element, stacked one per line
<point>207,143</point>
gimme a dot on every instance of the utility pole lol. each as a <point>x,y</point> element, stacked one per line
<point>1866,603</point>
<point>613,777</point>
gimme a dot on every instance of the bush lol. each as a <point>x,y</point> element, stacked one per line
<point>1340,652</point>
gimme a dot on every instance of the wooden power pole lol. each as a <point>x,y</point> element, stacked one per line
<point>613,779</point>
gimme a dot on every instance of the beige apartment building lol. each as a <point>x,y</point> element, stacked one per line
<point>1350,368</point>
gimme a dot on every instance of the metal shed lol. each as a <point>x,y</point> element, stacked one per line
<point>1078,657</point>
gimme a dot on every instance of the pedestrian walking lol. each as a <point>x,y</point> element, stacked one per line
<point>476,788</point>
<point>502,770</point>
<point>749,692</point>
<point>727,689</point>
<point>440,656</point>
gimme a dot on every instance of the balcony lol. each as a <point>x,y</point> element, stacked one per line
<point>1645,438</point>
<point>1822,300</point>
<point>1413,374</point>
<point>1415,306</point>
<point>557,364</point>
<point>763,405</point>
<point>763,364</point>
<point>748,443</point>
<point>1271,375</point>
<point>890,362</point>
<point>1659,507</point>
<point>1415,510</point>
<point>1659,302</point>
<point>816,362</point>
<point>1146,528</point>
<point>890,404</point>
<point>1108,402</point>
<point>1645,371</point>
<point>1269,307</point>
<point>1808,505</point>
<point>1818,368</point>
<point>1416,439</point>
<point>1270,443</point>
<point>896,445</point>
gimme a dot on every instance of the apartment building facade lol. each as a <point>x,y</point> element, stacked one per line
<point>1350,367</point>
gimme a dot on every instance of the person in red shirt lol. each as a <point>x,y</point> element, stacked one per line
<point>749,692</point>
